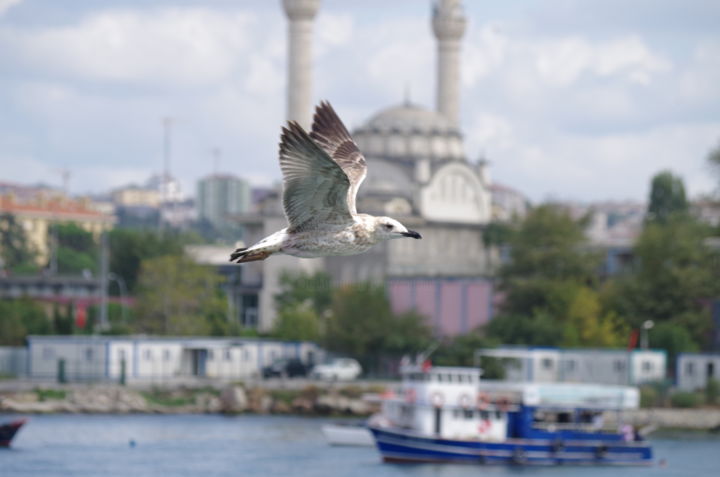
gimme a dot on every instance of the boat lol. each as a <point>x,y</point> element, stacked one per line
<point>448,414</point>
<point>8,431</point>
<point>348,434</point>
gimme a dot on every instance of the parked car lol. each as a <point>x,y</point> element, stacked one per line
<point>337,369</point>
<point>285,367</point>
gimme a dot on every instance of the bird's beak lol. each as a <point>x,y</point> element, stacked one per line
<point>413,234</point>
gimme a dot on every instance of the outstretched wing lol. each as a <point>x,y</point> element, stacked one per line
<point>331,134</point>
<point>315,188</point>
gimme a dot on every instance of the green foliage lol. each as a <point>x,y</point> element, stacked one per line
<point>303,289</point>
<point>549,245</point>
<point>16,252</point>
<point>674,272</point>
<point>667,197</point>
<point>363,325</point>
<point>50,394</point>
<point>179,297</point>
<point>497,233</point>
<point>76,249</point>
<point>649,397</point>
<point>19,318</point>
<point>129,247</point>
<point>460,351</point>
<point>712,391</point>
<point>685,399</point>
<point>673,338</point>
<point>298,323</point>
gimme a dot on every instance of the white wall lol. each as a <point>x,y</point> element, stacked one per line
<point>693,370</point>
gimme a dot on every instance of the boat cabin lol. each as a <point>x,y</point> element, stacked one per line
<point>454,403</point>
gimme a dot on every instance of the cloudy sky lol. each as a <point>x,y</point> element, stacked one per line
<point>569,99</point>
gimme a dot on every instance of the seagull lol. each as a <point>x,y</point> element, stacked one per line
<point>322,172</point>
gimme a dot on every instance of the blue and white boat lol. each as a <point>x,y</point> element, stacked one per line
<point>448,414</point>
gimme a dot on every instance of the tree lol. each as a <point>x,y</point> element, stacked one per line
<point>179,297</point>
<point>673,338</point>
<point>16,251</point>
<point>550,299</point>
<point>314,290</point>
<point>129,247</point>
<point>77,250</point>
<point>20,318</point>
<point>667,197</point>
<point>363,325</point>
<point>297,323</point>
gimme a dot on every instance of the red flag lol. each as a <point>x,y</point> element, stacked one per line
<point>80,316</point>
<point>426,366</point>
<point>632,342</point>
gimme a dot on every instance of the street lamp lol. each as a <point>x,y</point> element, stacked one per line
<point>123,292</point>
<point>646,326</point>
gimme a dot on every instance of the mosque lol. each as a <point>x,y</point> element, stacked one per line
<point>419,173</point>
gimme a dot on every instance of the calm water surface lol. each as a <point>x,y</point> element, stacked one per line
<point>265,446</point>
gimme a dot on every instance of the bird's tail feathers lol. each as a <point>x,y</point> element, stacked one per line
<point>243,255</point>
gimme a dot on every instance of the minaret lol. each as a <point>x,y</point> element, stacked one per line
<point>449,26</point>
<point>301,14</point>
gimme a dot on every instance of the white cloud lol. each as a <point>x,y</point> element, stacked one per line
<point>6,5</point>
<point>168,45</point>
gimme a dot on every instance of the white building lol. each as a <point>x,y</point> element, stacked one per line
<point>694,370</point>
<point>603,366</point>
<point>158,359</point>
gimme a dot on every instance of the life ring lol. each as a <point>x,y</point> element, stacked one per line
<point>484,426</point>
<point>482,401</point>
<point>437,399</point>
<point>464,401</point>
<point>410,395</point>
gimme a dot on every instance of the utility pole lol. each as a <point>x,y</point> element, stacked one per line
<point>165,176</point>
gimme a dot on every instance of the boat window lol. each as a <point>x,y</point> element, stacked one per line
<point>689,369</point>
<point>498,415</point>
<point>469,413</point>
<point>547,363</point>
<point>619,365</point>
<point>647,366</point>
<point>484,415</point>
<point>440,378</point>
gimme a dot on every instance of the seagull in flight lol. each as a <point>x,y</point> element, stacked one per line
<point>322,172</point>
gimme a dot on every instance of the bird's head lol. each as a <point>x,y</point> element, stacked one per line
<point>387,228</point>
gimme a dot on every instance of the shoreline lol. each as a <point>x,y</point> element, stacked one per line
<point>270,398</point>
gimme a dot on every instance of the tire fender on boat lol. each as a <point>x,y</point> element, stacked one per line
<point>519,456</point>
<point>601,451</point>
<point>437,399</point>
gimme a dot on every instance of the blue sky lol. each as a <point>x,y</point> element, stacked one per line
<point>568,99</point>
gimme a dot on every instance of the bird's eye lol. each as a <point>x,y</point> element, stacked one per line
<point>388,226</point>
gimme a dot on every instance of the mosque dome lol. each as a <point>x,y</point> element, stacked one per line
<point>409,132</point>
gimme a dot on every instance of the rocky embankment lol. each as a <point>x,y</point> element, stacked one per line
<point>667,418</point>
<point>230,399</point>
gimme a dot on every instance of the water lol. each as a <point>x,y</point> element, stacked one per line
<point>265,446</point>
